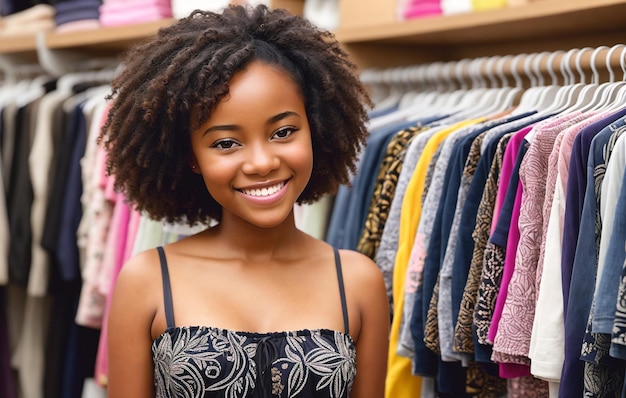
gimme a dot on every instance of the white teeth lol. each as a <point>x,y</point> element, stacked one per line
<point>264,191</point>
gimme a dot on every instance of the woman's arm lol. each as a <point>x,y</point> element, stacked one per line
<point>372,342</point>
<point>129,329</point>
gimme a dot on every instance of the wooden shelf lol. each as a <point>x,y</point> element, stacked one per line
<point>18,44</point>
<point>541,19</point>
<point>547,18</point>
<point>296,7</point>
<point>116,38</point>
<point>375,39</point>
<point>111,39</point>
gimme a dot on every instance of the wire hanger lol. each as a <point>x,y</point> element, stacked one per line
<point>549,92</point>
<point>617,99</point>
<point>570,89</point>
<point>600,94</point>
<point>587,91</point>
<point>14,67</point>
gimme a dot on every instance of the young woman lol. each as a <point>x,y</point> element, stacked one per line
<point>230,119</point>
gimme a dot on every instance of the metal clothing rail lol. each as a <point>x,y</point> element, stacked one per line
<point>584,65</point>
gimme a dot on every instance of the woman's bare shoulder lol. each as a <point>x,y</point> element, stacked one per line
<point>364,281</point>
<point>140,276</point>
<point>365,288</point>
<point>360,268</point>
<point>142,265</point>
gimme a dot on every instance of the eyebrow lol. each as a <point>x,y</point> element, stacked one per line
<point>233,127</point>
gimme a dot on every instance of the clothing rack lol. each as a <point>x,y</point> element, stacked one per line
<point>594,65</point>
<point>450,144</point>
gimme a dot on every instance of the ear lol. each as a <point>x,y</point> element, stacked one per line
<point>193,165</point>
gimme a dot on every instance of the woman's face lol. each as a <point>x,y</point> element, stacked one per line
<point>254,152</point>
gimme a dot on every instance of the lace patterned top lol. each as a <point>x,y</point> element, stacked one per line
<point>202,361</point>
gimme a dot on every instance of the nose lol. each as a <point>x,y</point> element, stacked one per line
<point>261,159</point>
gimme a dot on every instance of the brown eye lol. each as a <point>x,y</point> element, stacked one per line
<point>224,144</point>
<point>284,132</point>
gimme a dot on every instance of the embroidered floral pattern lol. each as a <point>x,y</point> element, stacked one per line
<point>518,314</point>
<point>211,362</point>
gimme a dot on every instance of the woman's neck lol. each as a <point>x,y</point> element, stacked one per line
<point>256,243</point>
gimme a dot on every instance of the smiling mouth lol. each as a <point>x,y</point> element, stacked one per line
<point>262,192</point>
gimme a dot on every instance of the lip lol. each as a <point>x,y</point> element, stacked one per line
<point>269,197</point>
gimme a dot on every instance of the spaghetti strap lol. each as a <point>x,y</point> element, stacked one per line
<point>167,290</point>
<point>342,292</point>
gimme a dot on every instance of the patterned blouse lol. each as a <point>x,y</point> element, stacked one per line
<point>199,361</point>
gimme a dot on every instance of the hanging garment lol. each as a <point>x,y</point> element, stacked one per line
<point>384,190</point>
<point>463,335</point>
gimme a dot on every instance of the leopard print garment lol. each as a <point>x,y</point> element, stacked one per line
<point>385,188</point>
<point>488,289</point>
<point>431,326</point>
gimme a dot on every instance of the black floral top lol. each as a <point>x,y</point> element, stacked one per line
<point>200,361</point>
